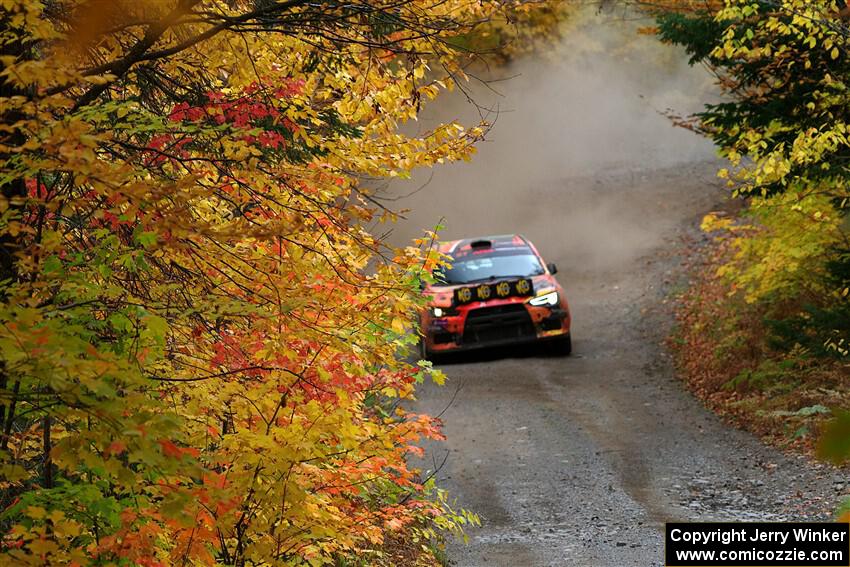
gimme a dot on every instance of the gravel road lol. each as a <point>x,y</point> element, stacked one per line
<point>580,460</point>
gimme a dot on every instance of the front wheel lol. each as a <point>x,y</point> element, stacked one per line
<point>562,346</point>
<point>425,354</point>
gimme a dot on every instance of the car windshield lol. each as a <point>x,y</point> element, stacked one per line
<point>476,268</point>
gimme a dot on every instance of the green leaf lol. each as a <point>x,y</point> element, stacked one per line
<point>146,239</point>
<point>52,265</point>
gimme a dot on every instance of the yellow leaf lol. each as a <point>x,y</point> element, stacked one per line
<point>36,512</point>
<point>398,325</point>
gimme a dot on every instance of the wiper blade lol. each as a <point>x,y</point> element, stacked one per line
<point>488,278</point>
<point>494,278</point>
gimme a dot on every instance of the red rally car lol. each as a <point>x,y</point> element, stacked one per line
<point>498,291</point>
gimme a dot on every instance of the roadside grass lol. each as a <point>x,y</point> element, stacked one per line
<point>723,351</point>
<point>402,548</point>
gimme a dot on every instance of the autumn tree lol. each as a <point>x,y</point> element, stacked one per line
<point>769,314</point>
<point>201,343</point>
<point>782,65</point>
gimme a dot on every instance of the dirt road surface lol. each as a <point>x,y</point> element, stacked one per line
<point>580,460</point>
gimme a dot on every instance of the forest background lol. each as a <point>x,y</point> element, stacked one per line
<point>202,346</point>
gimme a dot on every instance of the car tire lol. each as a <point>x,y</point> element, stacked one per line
<point>425,354</point>
<point>562,346</point>
<point>423,350</point>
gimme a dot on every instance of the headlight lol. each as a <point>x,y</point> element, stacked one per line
<point>550,298</point>
<point>443,312</point>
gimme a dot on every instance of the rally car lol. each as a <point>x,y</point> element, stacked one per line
<point>497,291</point>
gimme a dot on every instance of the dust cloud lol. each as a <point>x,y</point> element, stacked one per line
<point>580,158</point>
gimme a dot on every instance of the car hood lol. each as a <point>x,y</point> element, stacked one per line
<point>442,295</point>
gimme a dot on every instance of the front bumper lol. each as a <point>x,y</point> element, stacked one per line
<point>494,326</point>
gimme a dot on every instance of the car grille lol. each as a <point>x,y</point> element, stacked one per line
<point>442,338</point>
<point>495,324</point>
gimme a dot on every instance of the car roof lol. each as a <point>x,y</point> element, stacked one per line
<point>485,244</point>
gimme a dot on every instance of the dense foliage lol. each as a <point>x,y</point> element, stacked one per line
<point>784,128</point>
<point>518,29</point>
<point>201,343</point>
<point>783,124</point>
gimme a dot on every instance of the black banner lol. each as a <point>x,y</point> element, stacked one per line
<point>759,544</point>
<point>495,290</point>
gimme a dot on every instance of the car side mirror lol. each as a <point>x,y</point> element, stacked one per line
<point>553,269</point>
